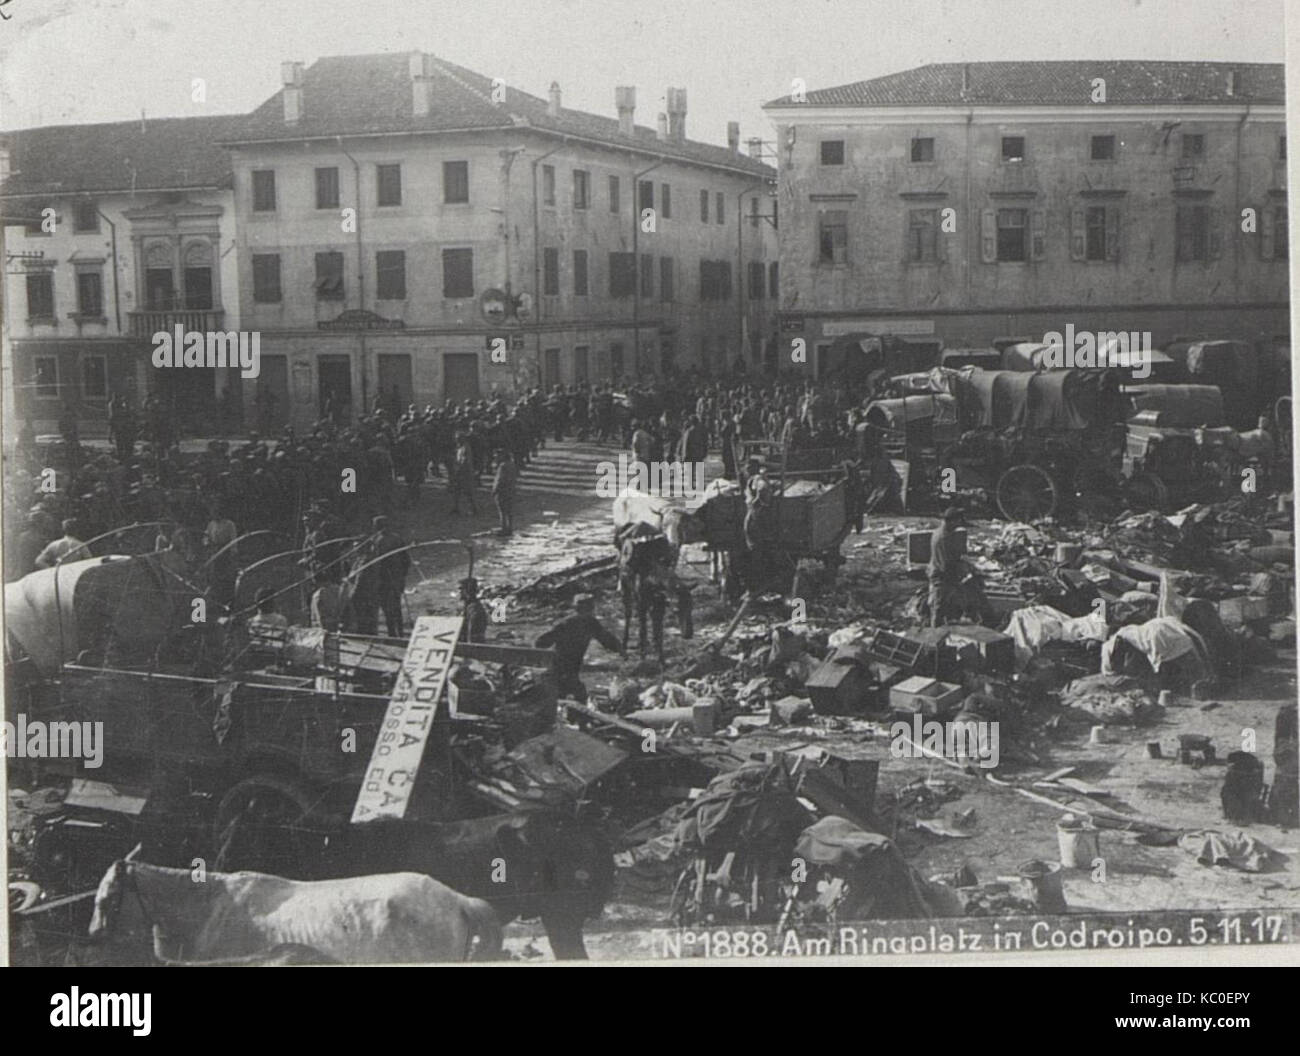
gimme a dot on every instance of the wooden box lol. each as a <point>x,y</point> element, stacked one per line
<point>929,696</point>
<point>838,687</point>
<point>811,515</point>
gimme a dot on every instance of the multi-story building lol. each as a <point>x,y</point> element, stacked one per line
<point>112,233</point>
<point>412,231</point>
<point>969,201</point>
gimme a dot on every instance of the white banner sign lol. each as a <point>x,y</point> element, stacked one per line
<point>390,777</point>
<point>900,327</point>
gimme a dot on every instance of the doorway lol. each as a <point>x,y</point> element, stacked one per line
<point>460,376</point>
<point>271,399</point>
<point>581,365</point>
<point>335,387</point>
<point>395,389</point>
<point>550,368</point>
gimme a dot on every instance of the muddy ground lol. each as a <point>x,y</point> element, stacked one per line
<point>554,532</point>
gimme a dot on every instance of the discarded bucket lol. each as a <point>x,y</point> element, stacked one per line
<point>1079,842</point>
<point>1098,735</point>
<point>1166,699</point>
<point>1045,880</point>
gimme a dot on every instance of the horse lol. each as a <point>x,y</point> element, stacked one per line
<point>646,560</point>
<point>375,919</point>
<point>526,864</point>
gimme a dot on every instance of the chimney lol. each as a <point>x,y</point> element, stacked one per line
<point>663,127</point>
<point>1233,84</point>
<point>291,78</point>
<point>965,77</point>
<point>755,145</point>
<point>625,100</point>
<point>553,103</point>
<point>676,114</point>
<point>421,69</point>
<point>733,136</point>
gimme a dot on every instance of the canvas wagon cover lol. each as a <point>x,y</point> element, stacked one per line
<point>1060,401</point>
<point>1180,406</point>
<point>54,613</point>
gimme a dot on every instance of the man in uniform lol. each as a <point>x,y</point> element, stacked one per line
<point>503,490</point>
<point>945,569</point>
<point>66,548</point>
<point>389,574</point>
<point>570,637</point>
<point>473,612</point>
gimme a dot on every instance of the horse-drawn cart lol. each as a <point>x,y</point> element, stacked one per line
<point>812,517</point>
<point>260,746</point>
<point>1032,441</point>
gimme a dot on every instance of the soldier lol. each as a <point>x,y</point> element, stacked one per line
<point>70,428</point>
<point>122,427</point>
<point>462,476</point>
<point>389,573</point>
<point>503,491</point>
<point>557,410</point>
<point>66,548</point>
<point>603,413</point>
<point>473,612</point>
<point>945,568</point>
<point>570,637</point>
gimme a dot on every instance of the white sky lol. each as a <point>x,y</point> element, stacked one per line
<point>70,61</point>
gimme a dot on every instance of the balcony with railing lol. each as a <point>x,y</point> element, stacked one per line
<point>147,323</point>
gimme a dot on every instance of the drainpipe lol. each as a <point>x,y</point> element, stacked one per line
<point>1236,192</point>
<point>361,278</point>
<point>537,253</point>
<point>117,304</point>
<point>742,273</point>
<point>972,223</point>
<point>636,259</point>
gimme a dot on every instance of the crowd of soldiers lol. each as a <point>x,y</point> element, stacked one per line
<point>343,480</point>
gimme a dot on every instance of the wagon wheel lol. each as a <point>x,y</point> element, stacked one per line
<point>260,826</point>
<point>1026,493</point>
<point>1146,491</point>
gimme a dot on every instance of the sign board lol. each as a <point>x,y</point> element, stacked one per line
<point>356,319</point>
<point>901,327</point>
<point>390,777</point>
<point>516,341</point>
<point>792,324</point>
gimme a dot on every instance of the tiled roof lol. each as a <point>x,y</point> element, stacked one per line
<point>1057,83</point>
<point>359,94</point>
<point>162,153</point>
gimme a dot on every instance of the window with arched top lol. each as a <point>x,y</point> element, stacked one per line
<point>159,277</point>
<point>198,275</point>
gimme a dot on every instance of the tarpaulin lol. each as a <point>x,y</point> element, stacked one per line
<point>1161,640</point>
<point>1236,849</point>
<point>881,885</point>
<point>1035,625</point>
<point>1179,406</point>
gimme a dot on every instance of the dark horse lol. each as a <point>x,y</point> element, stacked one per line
<point>646,560</point>
<point>527,864</point>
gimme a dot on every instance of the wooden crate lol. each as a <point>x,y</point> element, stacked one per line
<point>929,696</point>
<point>811,515</point>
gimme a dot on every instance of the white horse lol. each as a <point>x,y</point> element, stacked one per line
<point>388,918</point>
